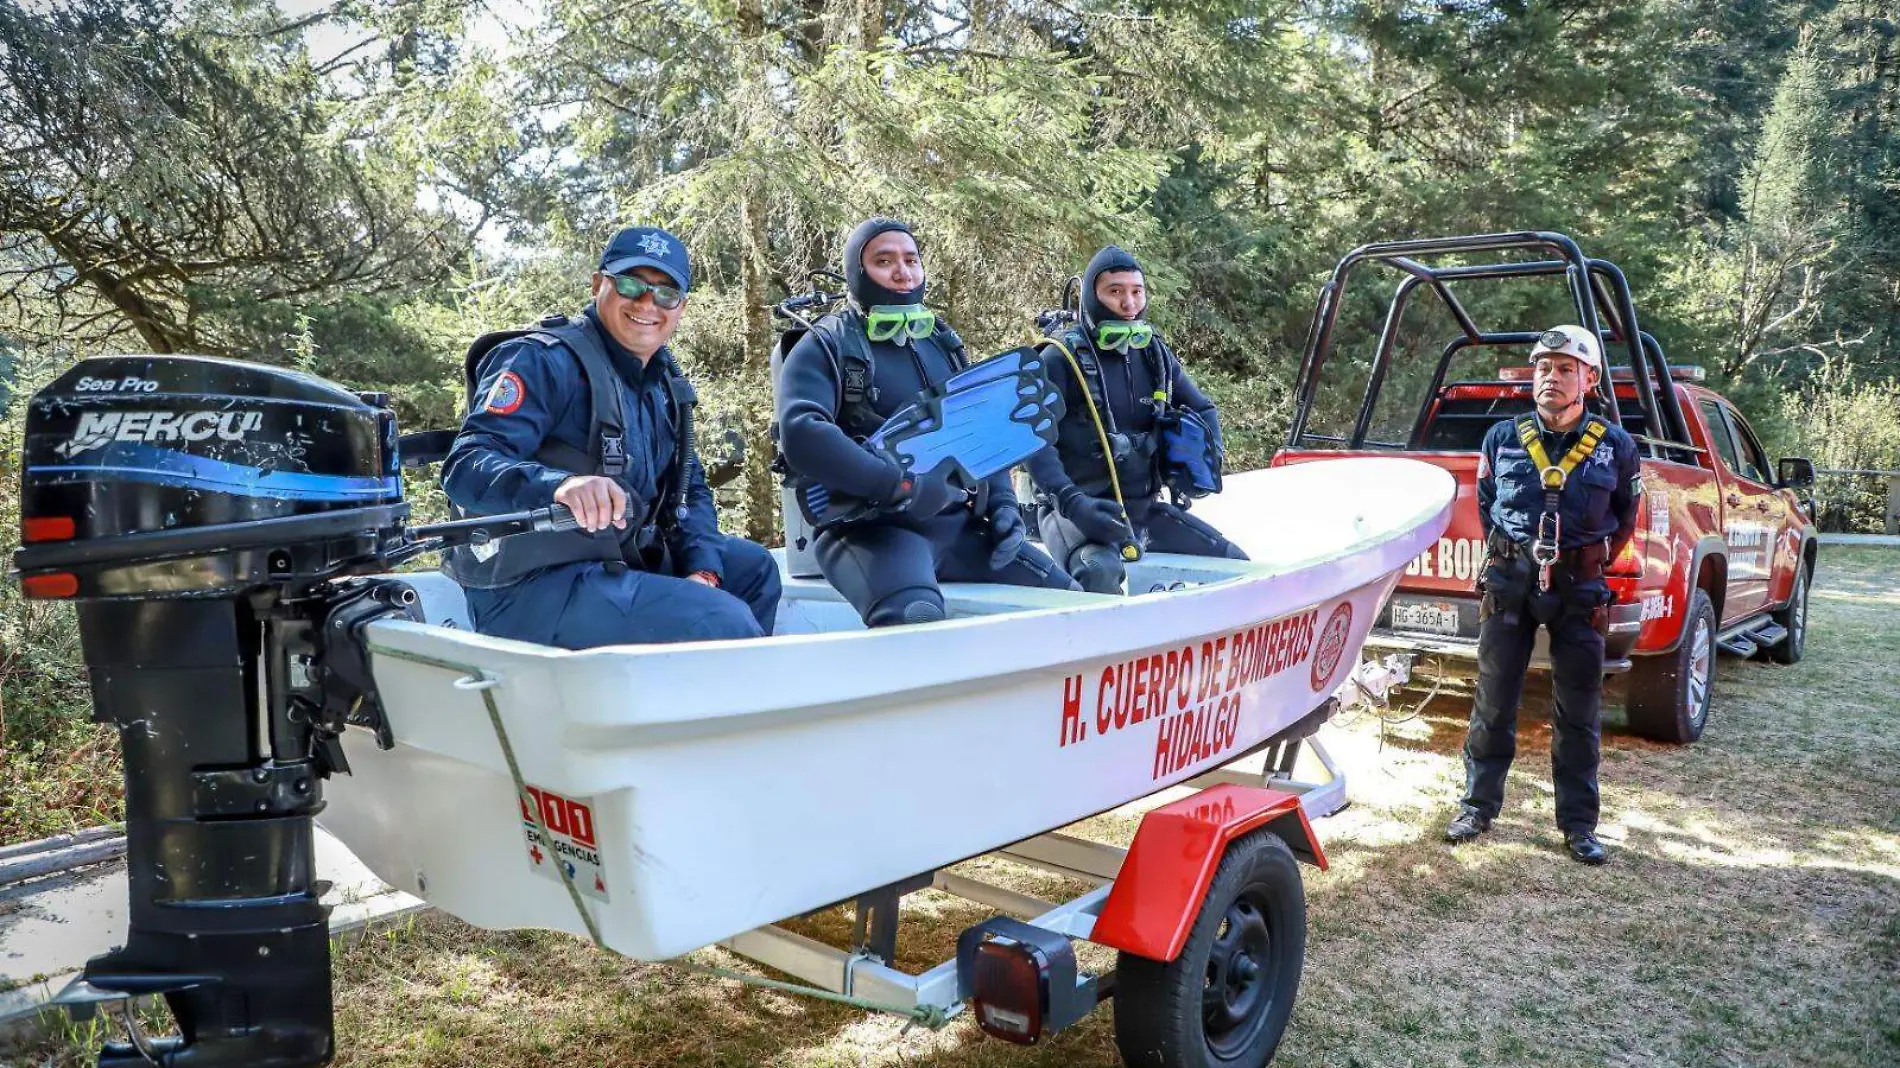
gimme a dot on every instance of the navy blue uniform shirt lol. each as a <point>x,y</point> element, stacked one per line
<point>491,468</point>
<point>1598,500</point>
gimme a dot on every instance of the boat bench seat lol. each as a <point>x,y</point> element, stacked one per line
<point>810,605</point>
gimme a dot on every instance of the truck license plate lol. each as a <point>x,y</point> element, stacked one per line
<point>1437,617</point>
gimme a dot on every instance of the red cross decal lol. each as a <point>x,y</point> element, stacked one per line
<point>535,852</point>
<point>599,885</point>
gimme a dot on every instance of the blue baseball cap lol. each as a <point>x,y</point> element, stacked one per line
<point>647,246</point>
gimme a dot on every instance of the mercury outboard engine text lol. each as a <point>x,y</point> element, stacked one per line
<point>214,521</point>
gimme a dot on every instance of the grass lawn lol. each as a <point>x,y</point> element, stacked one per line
<point>1750,914</point>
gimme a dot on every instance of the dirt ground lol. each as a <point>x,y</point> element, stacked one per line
<point>1750,914</point>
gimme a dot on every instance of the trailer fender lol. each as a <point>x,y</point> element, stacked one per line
<point>1169,867</point>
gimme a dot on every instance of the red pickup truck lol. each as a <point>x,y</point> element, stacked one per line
<point>1724,549</point>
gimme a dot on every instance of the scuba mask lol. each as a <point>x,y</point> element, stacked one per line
<point>897,322</point>
<point>1119,335</point>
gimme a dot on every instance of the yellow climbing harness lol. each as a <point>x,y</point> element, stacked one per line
<point>1545,545</point>
<point>1551,475</point>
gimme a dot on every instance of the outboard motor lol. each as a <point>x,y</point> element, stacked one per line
<point>212,520</point>
<point>192,507</point>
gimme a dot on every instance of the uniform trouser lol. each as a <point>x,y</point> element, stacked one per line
<point>1159,527</point>
<point>889,570</point>
<point>588,604</point>
<point>1504,653</point>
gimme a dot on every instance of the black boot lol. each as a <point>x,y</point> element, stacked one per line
<point>1469,823</point>
<point>1584,847</point>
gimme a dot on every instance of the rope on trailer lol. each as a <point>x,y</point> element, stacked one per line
<point>475,678</point>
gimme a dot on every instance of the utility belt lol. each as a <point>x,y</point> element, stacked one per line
<point>1571,581</point>
<point>1581,562</point>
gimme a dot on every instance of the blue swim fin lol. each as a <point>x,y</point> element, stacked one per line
<point>987,418</point>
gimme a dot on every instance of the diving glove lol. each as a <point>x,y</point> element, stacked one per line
<point>923,496</point>
<point>1099,520</point>
<point>1007,534</point>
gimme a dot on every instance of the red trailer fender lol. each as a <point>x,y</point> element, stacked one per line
<point>1158,893</point>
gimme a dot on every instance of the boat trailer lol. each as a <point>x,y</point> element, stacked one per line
<point>225,637</point>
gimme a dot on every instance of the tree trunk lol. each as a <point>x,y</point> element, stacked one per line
<point>761,487</point>
<point>144,317</point>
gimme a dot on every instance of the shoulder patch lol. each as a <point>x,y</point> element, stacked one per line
<point>1484,465</point>
<point>506,395</point>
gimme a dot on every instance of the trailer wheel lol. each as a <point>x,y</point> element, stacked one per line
<point>1669,694</point>
<point>1224,1001</point>
<point>1794,617</point>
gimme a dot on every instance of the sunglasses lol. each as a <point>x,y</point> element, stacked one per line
<point>1124,335</point>
<point>886,321</point>
<point>634,288</point>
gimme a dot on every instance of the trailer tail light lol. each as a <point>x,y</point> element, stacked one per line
<point>1012,991</point>
<point>1022,979</point>
<point>47,528</point>
<point>52,586</point>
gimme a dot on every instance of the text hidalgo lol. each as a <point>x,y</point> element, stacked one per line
<point>1194,692</point>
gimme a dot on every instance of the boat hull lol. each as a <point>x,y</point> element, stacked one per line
<point>704,789</point>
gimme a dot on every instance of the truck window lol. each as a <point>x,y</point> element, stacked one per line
<point>1719,434</point>
<point>1460,423</point>
<point>1754,460</point>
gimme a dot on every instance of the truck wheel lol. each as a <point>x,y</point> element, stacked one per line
<point>1669,693</point>
<point>1794,617</point>
<point>1224,1001</point>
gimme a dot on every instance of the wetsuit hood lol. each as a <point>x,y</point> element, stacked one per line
<point>866,293</point>
<point>1107,261</point>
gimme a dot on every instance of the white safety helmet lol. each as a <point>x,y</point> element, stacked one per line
<point>1572,341</point>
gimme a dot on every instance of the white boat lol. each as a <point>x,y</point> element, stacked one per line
<point>702,790</point>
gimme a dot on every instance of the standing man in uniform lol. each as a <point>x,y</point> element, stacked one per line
<point>1557,493</point>
<point>1133,396</point>
<point>591,412</point>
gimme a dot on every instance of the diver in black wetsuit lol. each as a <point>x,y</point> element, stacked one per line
<point>837,386</point>
<point>1140,391</point>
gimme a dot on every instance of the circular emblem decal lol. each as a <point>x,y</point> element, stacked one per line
<point>1331,647</point>
<point>506,394</point>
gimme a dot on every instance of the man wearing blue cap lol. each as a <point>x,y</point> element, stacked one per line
<point>591,412</point>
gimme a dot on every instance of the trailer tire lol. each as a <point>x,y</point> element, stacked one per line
<point>1225,999</point>
<point>1793,616</point>
<point>1670,693</point>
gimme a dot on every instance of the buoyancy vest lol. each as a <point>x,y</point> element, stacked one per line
<point>508,560</point>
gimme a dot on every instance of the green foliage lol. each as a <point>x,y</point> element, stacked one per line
<point>1845,423</point>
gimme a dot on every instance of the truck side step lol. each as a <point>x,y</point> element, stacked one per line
<point>1751,635</point>
<point>1769,634</point>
